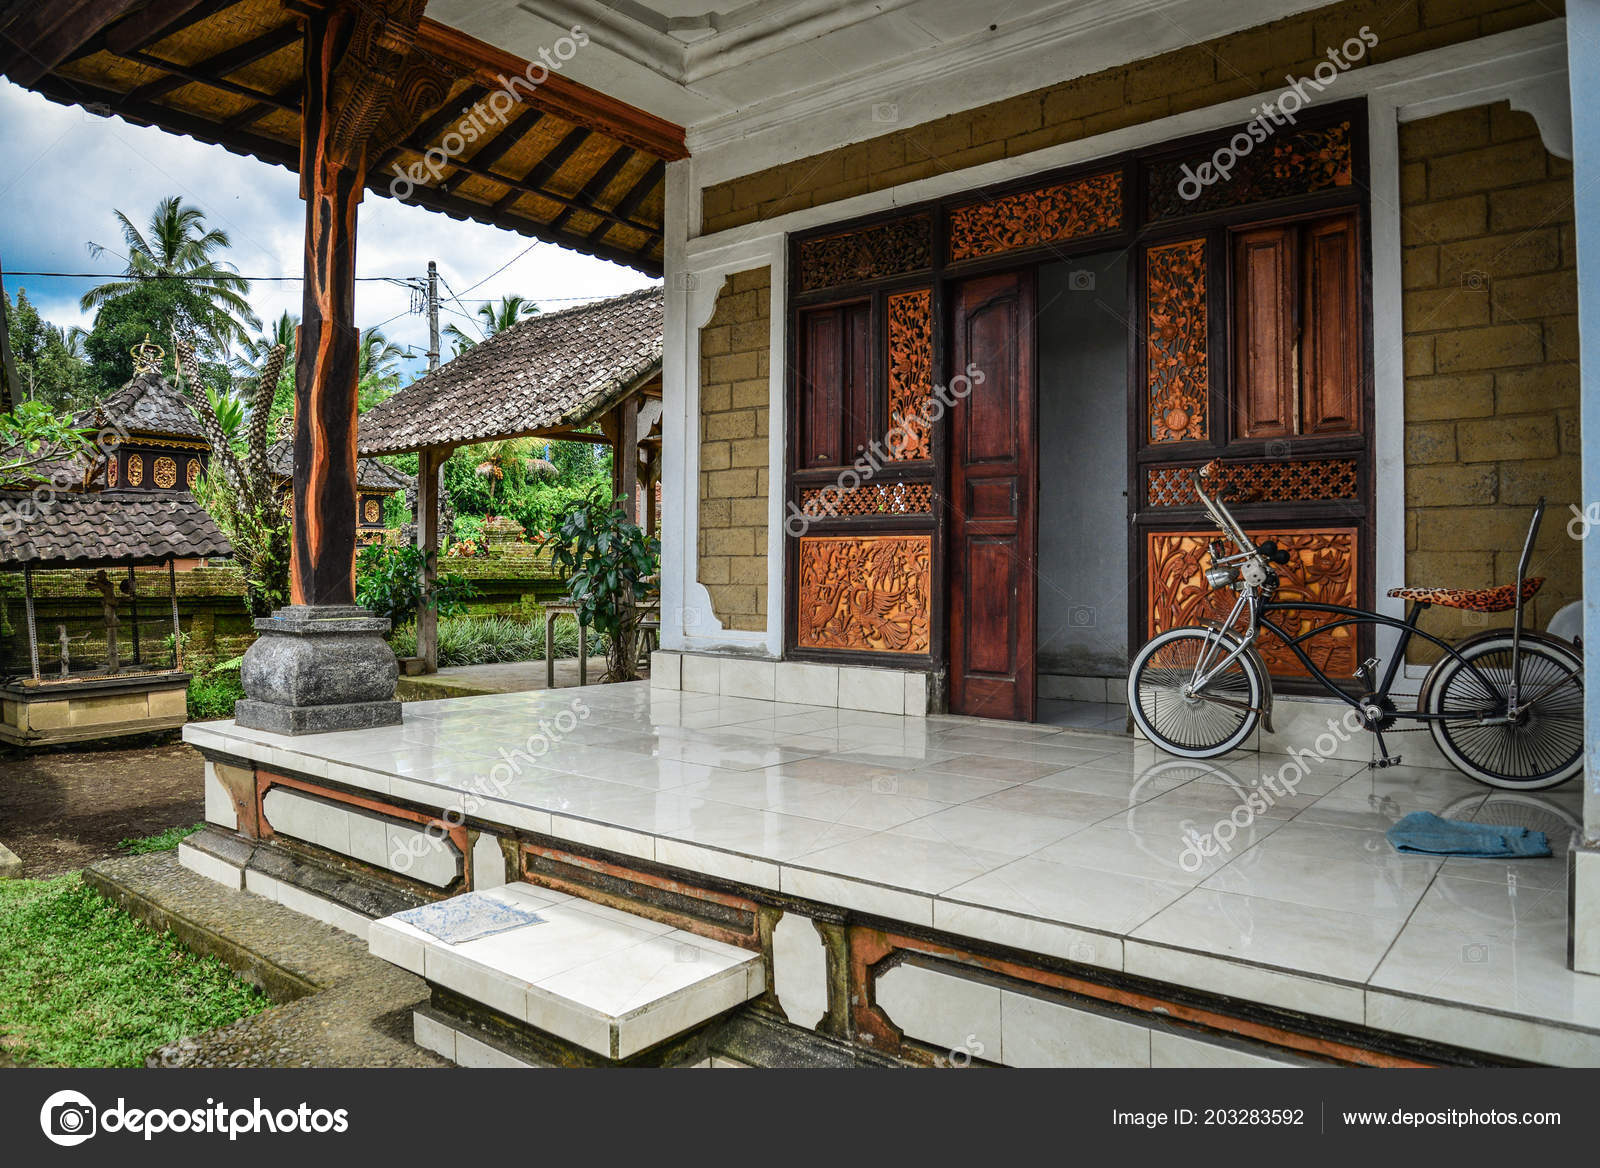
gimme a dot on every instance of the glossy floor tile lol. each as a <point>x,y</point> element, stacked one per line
<point>1274,866</point>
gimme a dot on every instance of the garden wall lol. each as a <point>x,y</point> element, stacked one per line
<point>212,610</point>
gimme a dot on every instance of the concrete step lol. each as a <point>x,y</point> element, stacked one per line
<point>610,982</point>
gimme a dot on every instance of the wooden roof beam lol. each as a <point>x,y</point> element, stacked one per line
<point>50,31</point>
<point>223,63</point>
<point>287,98</point>
<point>596,185</point>
<point>630,203</point>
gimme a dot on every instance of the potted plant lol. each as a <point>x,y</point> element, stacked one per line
<point>607,560</point>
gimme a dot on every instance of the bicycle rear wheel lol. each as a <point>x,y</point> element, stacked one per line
<point>1202,725</point>
<point>1543,746</point>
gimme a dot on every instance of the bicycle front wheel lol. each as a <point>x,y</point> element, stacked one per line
<point>1542,746</point>
<point>1216,719</point>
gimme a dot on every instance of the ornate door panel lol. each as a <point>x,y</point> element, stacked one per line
<point>1322,568</point>
<point>992,500</point>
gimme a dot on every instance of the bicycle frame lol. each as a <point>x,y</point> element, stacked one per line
<point>1252,570</point>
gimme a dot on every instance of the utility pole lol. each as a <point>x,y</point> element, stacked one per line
<point>433,316</point>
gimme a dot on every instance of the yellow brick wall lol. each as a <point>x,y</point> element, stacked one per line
<point>1491,356</point>
<point>734,429</point>
<point>1253,61</point>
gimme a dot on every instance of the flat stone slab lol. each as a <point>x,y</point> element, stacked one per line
<point>10,865</point>
<point>608,981</point>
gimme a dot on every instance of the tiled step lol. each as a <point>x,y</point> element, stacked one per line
<point>611,982</point>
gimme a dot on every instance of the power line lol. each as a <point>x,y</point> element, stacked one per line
<point>401,280</point>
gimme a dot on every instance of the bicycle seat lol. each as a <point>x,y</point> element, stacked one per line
<point>1501,599</point>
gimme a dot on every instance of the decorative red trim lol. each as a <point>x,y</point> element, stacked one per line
<point>869,948</point>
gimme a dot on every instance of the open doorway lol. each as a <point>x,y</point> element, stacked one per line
<point>1083,573</point>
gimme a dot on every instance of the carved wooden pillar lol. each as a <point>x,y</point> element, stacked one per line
<point>331,182</point>
<point>321,664</point>
<point>353,54</point>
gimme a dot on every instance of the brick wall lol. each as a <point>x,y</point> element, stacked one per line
<point>1244,63</point>
<point>1491,358</point>
<point>734,428</point>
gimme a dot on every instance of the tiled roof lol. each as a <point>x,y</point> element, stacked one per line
<point>146,405</point>
<point>371,475</point>
<point>145,527</point>
<point>552,370</point>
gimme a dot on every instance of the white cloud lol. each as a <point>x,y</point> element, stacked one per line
<point>69,170</point>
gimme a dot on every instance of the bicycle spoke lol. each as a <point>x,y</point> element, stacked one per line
<point>1547,737</point>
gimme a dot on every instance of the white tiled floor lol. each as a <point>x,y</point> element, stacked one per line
<point>1090,835</point>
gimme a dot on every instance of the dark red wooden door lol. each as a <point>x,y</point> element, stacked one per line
<point>992,500</point>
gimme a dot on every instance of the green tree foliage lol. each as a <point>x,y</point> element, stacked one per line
<point>32,436</point>
<point>177,250</point>
<point>51,364</point>
<point>389,582</point>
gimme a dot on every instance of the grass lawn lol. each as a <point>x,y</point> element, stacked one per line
<point>83,984</point>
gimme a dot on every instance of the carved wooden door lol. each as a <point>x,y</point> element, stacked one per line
<point>992,499</point>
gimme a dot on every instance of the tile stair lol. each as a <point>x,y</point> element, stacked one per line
<point>608,981</point>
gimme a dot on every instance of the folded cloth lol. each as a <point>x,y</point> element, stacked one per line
<point>1424,833</point>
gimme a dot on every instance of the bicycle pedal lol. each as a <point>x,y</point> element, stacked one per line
<point>1383,763</point>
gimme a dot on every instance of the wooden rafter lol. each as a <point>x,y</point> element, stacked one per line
<point>220,65</point>
<point>597,139</point>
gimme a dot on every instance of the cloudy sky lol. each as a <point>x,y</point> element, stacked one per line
<point>68,170</point>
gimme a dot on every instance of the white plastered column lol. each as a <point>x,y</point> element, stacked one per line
<point>1583,73</point>
<point>688,622</point>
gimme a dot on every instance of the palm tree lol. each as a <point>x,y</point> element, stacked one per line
<point>253,350</point>
<point>379,359</point>
<point>496,318</point>
<point>177,245</point>
<point>495,457</point>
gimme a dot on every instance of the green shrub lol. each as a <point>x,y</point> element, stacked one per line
<point>389,582</point>
<point>486,640</point>
<point>211,695</point>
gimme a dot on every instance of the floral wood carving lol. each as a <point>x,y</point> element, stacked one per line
<point>135,470</point>
<point>868,593</point>
<point>910,372</point>
<point>1322,567</point>
<point>165,472</point>
<point>111,471</point>
<point>1067,210</point>
<point>1177,365</point>
<point>1299,162</point>
<point>1307,481</point>
<point>886,249</point>
<point>191,473</point>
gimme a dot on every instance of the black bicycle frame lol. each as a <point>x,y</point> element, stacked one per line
<point>1357,616</point>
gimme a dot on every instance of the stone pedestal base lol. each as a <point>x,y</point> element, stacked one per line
<point>317,668</point>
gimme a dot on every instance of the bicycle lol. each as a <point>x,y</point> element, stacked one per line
<point>1504,707</point>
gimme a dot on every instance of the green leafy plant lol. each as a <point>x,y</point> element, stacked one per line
<point>212,695</point>
<point>389,582</point>
<point>607,559</point>
<point>33,436</point>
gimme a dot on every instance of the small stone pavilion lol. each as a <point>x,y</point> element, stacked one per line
<point>64,679</point>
